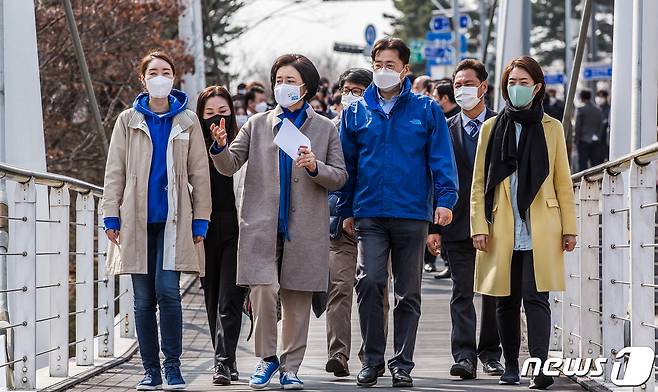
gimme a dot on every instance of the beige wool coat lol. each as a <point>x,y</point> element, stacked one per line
<point>305,264</point>
<point>126,192</point>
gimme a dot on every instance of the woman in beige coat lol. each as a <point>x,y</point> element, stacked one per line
<point>284,236</point>
<point>156,207</point>
<point>522,214</point>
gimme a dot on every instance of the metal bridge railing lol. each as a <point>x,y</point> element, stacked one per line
<point>610,276</point>
<point>92,340</point>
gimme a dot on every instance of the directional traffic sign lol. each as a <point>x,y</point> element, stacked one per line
<point>371,34</point>
<point>440,23</point>
<point>597,72</point>
<point>555,78</point>
<point>464,21</point>
<point>439,48</point>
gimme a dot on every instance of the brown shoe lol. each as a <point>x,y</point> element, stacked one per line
<point>337,365</point>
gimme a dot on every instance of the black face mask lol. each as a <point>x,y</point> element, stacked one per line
<point>207,122</point>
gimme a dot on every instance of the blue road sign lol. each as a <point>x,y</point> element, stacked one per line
<point>371,34</point>
<point>444,36</point>
<point>556,78</point>
<point>597,72</point>
<point>440,24</point>
<point>439,48</point>
<point>464,21</point>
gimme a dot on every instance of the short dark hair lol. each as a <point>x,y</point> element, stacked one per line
<point>603,93</point>
<point>306,69</point>
<point>585,95</point>
<point>360,76</point>
<point>392,43</point>
<point>324,105</point>
<point>532,67</point>
<point>444,87</point>
<point>251,94</point>
<point>475,65</point>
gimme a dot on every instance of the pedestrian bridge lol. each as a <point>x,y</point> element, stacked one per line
<point>608,305</point>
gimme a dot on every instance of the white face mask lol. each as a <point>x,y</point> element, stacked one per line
<point>241,119</point>
<point>287,95</point>
<point>467,97</point>
<point>348,98</point>
<point>600,101</point>
<point>159,86</point>
<point>386,79</point>
<point>261,107</point>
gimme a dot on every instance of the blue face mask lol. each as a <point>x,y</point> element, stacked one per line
<point>520,96</point>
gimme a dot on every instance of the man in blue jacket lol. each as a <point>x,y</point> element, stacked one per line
<point>402,176</point>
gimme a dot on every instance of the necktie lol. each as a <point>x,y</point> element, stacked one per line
<point>473,127</point>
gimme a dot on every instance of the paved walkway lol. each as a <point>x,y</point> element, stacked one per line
<point>433,359</point>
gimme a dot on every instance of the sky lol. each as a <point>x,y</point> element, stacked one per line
<point>310,27</point>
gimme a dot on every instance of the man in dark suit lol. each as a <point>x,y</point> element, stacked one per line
<point>470,84</point>
<point>588,132</point>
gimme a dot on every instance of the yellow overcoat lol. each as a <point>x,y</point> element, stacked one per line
<point>552,214</point>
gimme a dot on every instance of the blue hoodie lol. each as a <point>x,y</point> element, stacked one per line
<point>400,165</point>
<point>159,126</point>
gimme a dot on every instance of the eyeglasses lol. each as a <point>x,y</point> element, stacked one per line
<point>378,67</point>
<point>356,91</point>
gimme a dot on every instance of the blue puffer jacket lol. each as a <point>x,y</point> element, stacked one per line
<point>400,165</point>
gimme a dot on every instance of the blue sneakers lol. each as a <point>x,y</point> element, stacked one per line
<point>263,374</point>
<point>152,380</point>
<point>174,379</point>
<point>289,380</point>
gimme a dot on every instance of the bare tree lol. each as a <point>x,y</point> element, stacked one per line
<point>115,35</point>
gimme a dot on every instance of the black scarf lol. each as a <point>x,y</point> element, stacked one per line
<point>503,157</point>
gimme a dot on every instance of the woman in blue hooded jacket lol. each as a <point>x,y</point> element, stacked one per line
<point>156,206</point>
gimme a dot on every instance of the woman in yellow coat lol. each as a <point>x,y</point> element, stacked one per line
<point>522,214</point>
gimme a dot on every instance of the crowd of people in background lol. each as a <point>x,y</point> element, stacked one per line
<point>397,172</point>
<point>589,137</point>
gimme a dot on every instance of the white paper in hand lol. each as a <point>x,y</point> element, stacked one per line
<point>289,139</point>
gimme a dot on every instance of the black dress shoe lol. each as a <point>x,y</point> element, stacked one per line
<point>337,365</point>
<point>367,377</point>
<point>381,371</point>
<point>401,378</point>
<point>235,375</point>
<point>511,376</point>
<point>443,274</point>
<point>541,381</point>
<point>464,369</point>
<point>493,368</point>
<point>222,375</point>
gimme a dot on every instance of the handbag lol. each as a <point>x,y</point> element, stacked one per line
<point>335,221</point>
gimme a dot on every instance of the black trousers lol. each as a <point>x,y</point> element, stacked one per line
<point>461,259</point>
<point>404,240</point>
<point>224,300</point>
<point>589,155</point>
<point>537,310</point>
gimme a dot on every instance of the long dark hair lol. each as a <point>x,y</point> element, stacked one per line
<point>204,96</point>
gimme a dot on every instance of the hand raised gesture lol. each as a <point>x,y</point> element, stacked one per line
<point>219,133</point>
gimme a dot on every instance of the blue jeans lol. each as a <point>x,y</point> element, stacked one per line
<point>161,287</point>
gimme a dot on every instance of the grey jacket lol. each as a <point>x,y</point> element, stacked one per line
<point>305,265</point>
